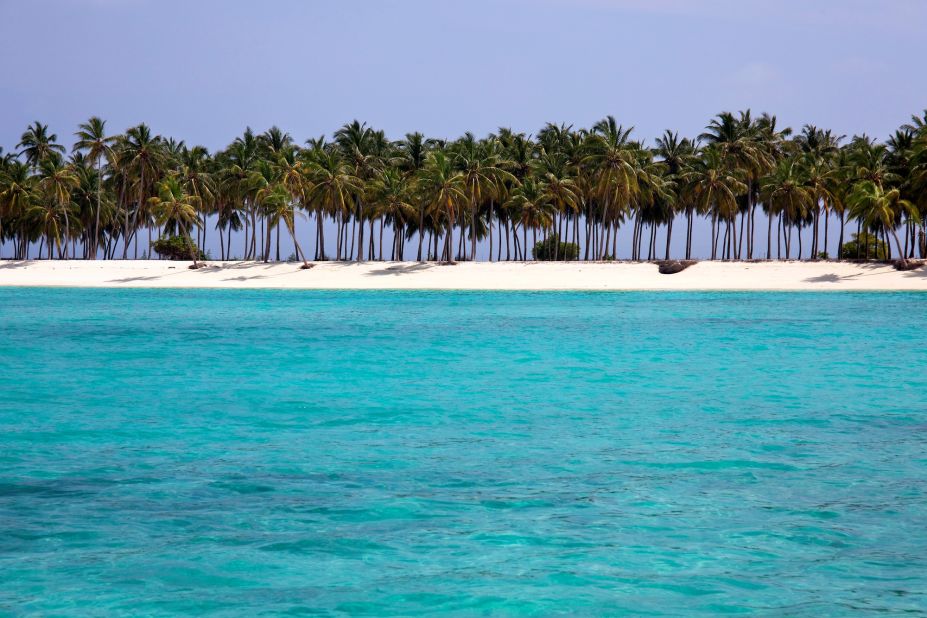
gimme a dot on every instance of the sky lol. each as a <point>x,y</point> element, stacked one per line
<point>203,70</point>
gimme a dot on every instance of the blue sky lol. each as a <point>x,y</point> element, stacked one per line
<point>203,70</point>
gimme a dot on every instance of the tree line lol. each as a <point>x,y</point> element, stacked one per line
<point>436,199</point>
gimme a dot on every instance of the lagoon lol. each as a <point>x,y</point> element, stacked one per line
<point>244,452</point>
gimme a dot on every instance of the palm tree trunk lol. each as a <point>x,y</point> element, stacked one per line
<point>125,232</point>
<point>340,216</point>
<point>96,225</point>
<point>690,215</point>
<point>221,245</point>
<point>669,236</point>
<point>840,239</point>
<point>360,232</point>
<point>472,226</point>
<point>265,247</point>
<point>381,240</point>
<point>421,233</point>
<point>192,246</point>
<point>901,255</point>
<point>491,209</point>
<point>739,242</point>
<point>769,235</point>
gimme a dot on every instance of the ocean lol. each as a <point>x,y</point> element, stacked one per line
<point>249,453</point>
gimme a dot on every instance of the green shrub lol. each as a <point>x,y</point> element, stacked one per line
<point>551,249</point>
<point>176,248</point>
<point>877,249</point>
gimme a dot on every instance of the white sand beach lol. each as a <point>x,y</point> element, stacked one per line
<point>464,276</point>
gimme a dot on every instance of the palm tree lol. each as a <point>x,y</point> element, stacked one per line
<point>532,202</point>
<point>558,188</point>
<point>94,143</point>
<point>176,210</point>
<point>613,156</point>
<point>444,191</point>
<point>750,148</point>
<point>877,207</point>
<point>17,197</point>
<point>142,156</point>
<point>482,176</point>
<point>56,183</point>
<point>678,156</point>
<point>411,157</point>
<point>194,170</point>
<point>391,196</point>
<point>786,192</point>
<point>333,186</point>
<point>38,146</point>
<point>358,144</point>
<point>715,188</point>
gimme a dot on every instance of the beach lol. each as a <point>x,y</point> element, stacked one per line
<point>747,276</point>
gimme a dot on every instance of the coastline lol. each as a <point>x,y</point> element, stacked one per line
<point>527,276</point>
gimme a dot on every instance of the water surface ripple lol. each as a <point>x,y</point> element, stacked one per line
<point>245,453</point>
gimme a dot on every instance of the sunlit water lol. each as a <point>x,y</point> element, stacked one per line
<point>249,453</point>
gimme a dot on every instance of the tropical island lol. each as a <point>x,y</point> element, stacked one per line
<point>760,192</point>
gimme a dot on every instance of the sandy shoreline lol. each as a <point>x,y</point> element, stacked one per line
<point>464,276</point>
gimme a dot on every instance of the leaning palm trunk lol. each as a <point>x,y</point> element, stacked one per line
<point>291,227</point>
<point>267,244</point>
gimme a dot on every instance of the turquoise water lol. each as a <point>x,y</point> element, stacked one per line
<point>243,453</point>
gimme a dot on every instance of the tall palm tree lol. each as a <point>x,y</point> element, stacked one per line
<point>482,176</point>
<point>358,144</point>
<point>613,156</point>
<point>333,187</point>
<point>176,210</point>
<point>786,193</point>
<point>678,155</point>
<point>97,146</point>
<point>412,155</point>
<point>558,188</point>
<point>38,145</point>
<point>17,197</point>
<point>143,156</point>
<point>532,202</point>
<point>444,191</point>
<point>715,188</point>
<point>392,196</point>
<point>877,207</point>
<point>56,183</point>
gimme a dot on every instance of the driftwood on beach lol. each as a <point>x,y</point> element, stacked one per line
<point>671,267</point>
<point>905,265</point>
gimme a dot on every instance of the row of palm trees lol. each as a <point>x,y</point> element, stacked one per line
<point>432,199</point>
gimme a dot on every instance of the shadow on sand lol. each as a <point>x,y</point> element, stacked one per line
<point>877,268</point>
<point>400,269</point>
